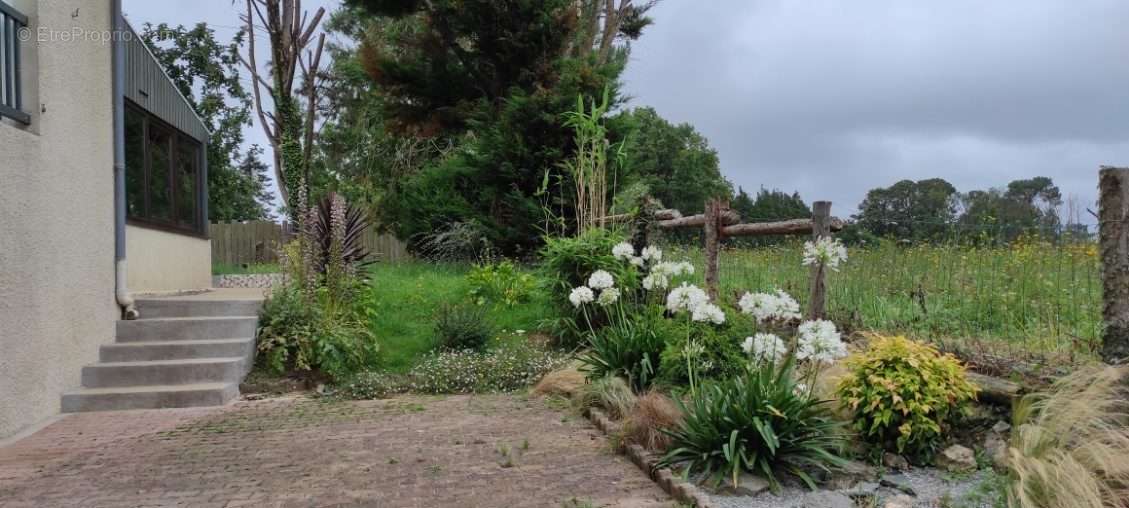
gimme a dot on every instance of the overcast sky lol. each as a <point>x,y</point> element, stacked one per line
<point>832,98</point>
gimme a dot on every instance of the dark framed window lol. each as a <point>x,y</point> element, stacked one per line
<point>162,174</point>
<point>11,96</point>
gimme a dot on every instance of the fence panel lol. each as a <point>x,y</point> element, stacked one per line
<point>237,243</point>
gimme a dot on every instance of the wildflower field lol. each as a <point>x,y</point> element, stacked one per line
<point>1026,300</point>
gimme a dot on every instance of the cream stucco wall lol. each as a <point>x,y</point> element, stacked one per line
<point>56,203</point>
<point>158,261</point>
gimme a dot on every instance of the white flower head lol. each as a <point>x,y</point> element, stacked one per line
<point>686,297</point>
<point>826,251</point>
<point>820,342</point>
<point>601,279</point>
<point>652,254</point>
<point>764,347</point>
<point>671,269</point>
<point>623,250</point>
<point>655,281</point>
<point>709,313</point>
<point>580,296</point>
<point>607,297</point>
<point>770,307</point>
<point>638,261</point>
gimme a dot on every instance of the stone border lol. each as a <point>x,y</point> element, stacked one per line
<point>248,280</point>
<point>681,490</point>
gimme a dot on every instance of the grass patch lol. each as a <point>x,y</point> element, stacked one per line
<point>244,268</point>
<point>403,299</point>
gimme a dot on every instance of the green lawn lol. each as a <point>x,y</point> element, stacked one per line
<point>403,299</point>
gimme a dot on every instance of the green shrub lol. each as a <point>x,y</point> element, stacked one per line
<point>505,368</point>
<point>568,262</point>
<point>298,334</point>
<point>720,356</point>
<point>757,422</point>
<point>904,395</point>
<point>630,347</point>
<point>611,394</point>
<point>500,283</point>
<point>463,327</point>
<point>368,385</point>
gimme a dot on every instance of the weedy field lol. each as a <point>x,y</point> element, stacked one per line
<point>1032,300</point>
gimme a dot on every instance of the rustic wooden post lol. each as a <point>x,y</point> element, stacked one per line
<point>820,228</point>
<point>712,225</point>
<point>1113,231</point>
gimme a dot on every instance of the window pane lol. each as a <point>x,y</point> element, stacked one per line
<point>134,163</point>
<point>186,162</point>
<point>160,199</point>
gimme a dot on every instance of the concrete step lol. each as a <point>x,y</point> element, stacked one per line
<point>164,372</point>
<point>149,397</point>
<point>175,308</point>
<point>186,328</point>
<point>177,350</point>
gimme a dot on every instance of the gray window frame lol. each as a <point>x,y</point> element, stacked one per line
<point>11,90</point>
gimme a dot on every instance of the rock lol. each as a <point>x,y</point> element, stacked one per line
<point>897,482</point>
<point>899,501</point>
<point>826,499</point>
<point>994,390</point>
<point>850,474</point>
<point>895,461</point>
<point>862,491</point>
<point>956,459</point>
<point>996,448</point>
<point>1001,427</point>
<point>747,485</point>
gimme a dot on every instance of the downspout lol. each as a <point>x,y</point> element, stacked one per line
<point>121,292</point>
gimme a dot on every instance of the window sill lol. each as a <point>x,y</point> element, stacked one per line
<point>167,228</point>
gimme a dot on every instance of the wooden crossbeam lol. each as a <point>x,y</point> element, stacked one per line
<point>787,227</point>
<point>728,217</point>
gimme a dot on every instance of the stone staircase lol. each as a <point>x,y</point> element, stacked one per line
<point>184,351</point>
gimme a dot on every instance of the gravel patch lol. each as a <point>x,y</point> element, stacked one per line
<point>931,486</point>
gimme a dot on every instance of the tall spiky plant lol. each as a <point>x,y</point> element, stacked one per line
<point>1070,447</point>
<point>589,168</point>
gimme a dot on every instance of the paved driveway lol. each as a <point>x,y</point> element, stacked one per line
<point>460,451</point>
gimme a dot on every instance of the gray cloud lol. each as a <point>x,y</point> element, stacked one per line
<point>833,98</point>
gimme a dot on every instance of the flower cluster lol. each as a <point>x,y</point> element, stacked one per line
<point>692,299</point>
<point>770,307</point>
<point>825,251</point>
<point>765,347</point>
<point>661,273</point>
<point>820,342</point>
<point>601,281</point>
<point>506,368</point>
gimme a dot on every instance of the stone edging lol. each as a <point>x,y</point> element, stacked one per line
<point>681,490</point>
<point>248,280</point>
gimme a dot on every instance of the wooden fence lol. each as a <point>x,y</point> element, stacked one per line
<point>236,243</point>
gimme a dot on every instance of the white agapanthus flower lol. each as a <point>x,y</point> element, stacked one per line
<point>686,297</point>
<point>764,346</point>
<point>830,252</point>
<point>580,296</point>
<point>770,307</point>
<point>601,279</point>
<point>638,261</point>
<point>655,281</point>
<point>652,254</point>
<point>623,250</point>
<point>708,313</point>
<point>672,269</point>
<point>819,341</point>
<point>608,297</point>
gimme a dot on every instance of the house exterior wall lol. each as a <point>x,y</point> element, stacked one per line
<point>56,199</point>
<point>159,261</point>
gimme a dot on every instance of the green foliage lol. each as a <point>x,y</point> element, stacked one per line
<point>721,355</point>
<point>904,395</point>
<point>500,283</point>
<point>610,394</point>
<point>909,210</point>
<point>757,422</point>
<point>505,367</point>
<point>675,161</point>
<point>774,205</point>
<point>630,348</point>
<point>207,73</point>
<point>567,262</point>
<point>296,335</point>
<point>369,385</point>
<point>463,327</point>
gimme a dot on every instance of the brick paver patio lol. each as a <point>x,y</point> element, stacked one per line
<point>459,451</point>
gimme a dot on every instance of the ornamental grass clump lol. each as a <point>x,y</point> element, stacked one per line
<point>904,395</point>
<point>759,422</point>
<point>1070,445</point>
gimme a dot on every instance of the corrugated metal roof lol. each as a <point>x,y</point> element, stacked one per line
<point>149,86</point>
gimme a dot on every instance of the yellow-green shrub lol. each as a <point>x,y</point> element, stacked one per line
<point>903,394</point>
